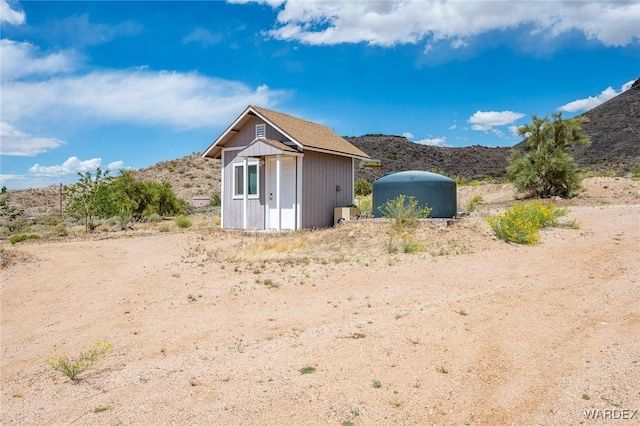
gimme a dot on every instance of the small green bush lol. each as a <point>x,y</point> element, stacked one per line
<point>183,221</point>
<point>472,204</point>
<point>307,370</point>
<point>404,211</point>
<point>364,203</point>
<point>362,187</point>
<point>216,201</point>
<point>86,360</point>
<point>23,237</point>
<point>520,223</point>
<point>154,218</point>
<point>59,230</point>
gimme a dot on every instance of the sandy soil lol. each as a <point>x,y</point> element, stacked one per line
<point>212,327</point>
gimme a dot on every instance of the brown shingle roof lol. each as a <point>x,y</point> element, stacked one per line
<point>309,134</point>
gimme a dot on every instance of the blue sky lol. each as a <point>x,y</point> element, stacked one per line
<point>123,84</point>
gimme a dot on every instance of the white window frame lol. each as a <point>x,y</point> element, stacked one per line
<point>237,195</point>
<point>261,130</point>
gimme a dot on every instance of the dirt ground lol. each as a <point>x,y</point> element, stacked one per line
<point>213,327</point>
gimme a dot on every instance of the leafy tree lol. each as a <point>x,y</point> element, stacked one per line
<point>123,197</point>
<point>158,197</point>
<point>89,198</point>
<point>546,168</point>
<point>362,187</point>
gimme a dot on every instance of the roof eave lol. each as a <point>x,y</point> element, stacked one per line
<point>213,153</point>
<point>342,154</point>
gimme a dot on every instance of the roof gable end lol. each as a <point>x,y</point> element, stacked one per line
<point>303,133</point>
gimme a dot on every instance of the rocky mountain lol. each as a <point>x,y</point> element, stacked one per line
<point>397,153</point>
<point>614,130</point>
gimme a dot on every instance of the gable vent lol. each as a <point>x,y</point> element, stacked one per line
<point>261,131</point>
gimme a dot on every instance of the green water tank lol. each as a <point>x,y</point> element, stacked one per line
<point>437,191</point>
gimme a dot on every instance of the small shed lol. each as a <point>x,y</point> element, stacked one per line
<point>280,172</point>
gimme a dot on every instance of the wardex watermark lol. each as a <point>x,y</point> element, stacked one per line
<point>615,414</point>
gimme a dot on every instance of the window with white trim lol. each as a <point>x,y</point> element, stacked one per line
<point>253,180</point>
<point>261,131</point>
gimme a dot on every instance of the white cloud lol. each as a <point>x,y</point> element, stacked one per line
<point>408,135</point>
<point>437,141</point>
<point>514,130</point>
<point>498,133</point>
<point>80,31</point>
<point>627,85</point>
<point>593,101</point>
<point>457,44</point>
<point>453,126</point>
<point>387,23</point>
<point>17,143</point>
<point>183,100</point>
<point>485,121</point>
<point>23,59</point>
<point>116,165</point>
<point>9,15</point>
<point>72,166</point>
<point>56,92</point>
<point>203,36</point>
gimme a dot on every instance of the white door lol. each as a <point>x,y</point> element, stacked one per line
<point>287,193</point>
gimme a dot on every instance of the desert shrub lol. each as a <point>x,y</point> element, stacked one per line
<point>86,360</point>
<point>410,244</point>
<point>216,201</point>
<point>49,220</point>
<point>18,224</point>
<point>365,204</point>
<point>9,215</point>
<point>22,237</point>
<point>472,204</point>
<point>404,212</point>
<point>59,230</point>
<point>461,180</point>
<point>362,187</point>
<point>520,223</point>
<point>164,228</point>
<point>183,221</point>
<point>70,221</point>
<point>153,218</point>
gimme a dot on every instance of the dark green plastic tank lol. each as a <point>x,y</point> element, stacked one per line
<point>437,191</point>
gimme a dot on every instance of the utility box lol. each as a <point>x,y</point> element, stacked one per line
<point>344,213</point>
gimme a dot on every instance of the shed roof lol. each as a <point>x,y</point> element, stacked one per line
<point>306,134</point>
<point>263,147</point>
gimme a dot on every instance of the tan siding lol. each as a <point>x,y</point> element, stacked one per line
<point>322,173</point>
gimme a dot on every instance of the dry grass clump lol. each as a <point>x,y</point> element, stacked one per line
<point>353,241</point>
<point>10,257</point>
<point>359,241</point>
